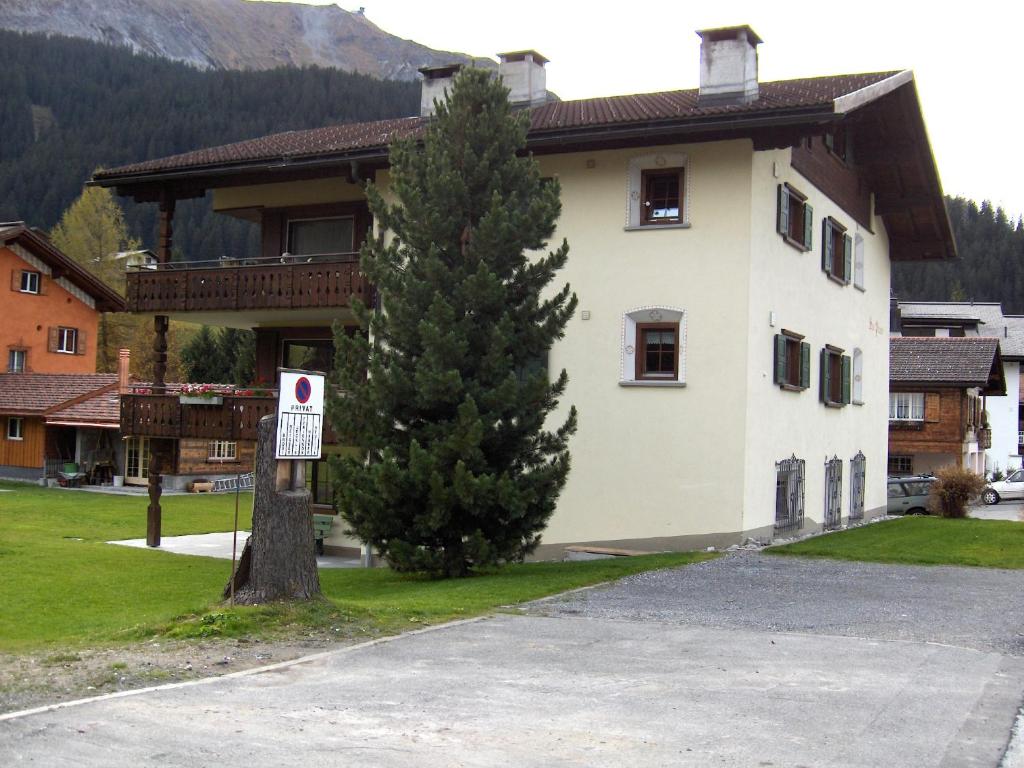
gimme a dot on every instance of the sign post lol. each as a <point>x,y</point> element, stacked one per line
<point>300,424</point>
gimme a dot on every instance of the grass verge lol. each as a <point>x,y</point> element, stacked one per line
<point>62,587</point>
<point>921,541</point>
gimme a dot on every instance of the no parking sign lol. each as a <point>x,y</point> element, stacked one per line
<point>300,415</point>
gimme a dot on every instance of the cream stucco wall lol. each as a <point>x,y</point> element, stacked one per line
<point>286,194</point>
<point>651,463</point>
<point>791,284</point>
<point>1003,416</point>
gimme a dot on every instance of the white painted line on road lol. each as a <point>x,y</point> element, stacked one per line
<point>240,673</point>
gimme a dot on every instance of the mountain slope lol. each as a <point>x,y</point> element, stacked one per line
<point>231,34</point>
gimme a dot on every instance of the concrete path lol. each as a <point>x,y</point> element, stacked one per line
<point>677,668</point>
<point>219,545</point>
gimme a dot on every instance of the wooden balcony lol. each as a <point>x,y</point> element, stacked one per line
<point>320,282</point>
<point>226,418</point>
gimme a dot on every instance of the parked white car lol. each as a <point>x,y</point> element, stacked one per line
<point>1010,488</point>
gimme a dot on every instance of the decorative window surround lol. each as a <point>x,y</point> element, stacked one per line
<point>634,189</point>
<point>628,351</point>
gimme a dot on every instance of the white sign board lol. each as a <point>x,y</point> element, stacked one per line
<point>300,415</point>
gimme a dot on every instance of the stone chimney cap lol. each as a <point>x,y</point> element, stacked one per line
<point>521,55</point>
<point>444,70</point>
<point>730,33</point>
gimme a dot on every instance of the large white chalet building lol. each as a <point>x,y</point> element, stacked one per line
<point>731,250</point>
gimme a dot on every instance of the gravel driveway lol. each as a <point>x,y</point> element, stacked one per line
<point>978,608</point>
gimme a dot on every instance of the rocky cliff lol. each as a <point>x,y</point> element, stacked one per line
<point>231,34</point>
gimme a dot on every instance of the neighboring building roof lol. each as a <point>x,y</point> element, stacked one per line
<point>987,315</point>
<point>101,409</point>
<point>35,394</point>
<point>965,361</point>
<point>676,106</point>
<point>39,245</point>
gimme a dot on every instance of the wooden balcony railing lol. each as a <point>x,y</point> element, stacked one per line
<point>232,418</point>
<point>289,282</point>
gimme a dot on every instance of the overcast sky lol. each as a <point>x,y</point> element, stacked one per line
<point>967,58</point>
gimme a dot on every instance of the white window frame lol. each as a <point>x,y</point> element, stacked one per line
<point>222,450</point>
<point>857,376</point>
<point>12,358</point>
<point>628,351</point>
<point>67,340</point>
<point>634,188</point>
<point>910,404</point>
<point>15,428</point>
<point>858,261</point>
<point>30,281</point>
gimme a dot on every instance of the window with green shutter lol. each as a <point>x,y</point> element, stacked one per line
<point>836,251</point>
<point>836,377</point>
<point>792,361</point>
<point>794,217</point>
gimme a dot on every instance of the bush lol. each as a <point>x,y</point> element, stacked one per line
<point>997,475</point>
<point>953,488</point>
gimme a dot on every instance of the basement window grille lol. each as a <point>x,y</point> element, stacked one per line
<point>858,470</point>
<point>789,494</point>
<point>833,493</point>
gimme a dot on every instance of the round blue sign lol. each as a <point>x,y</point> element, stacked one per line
<point>303,389</point>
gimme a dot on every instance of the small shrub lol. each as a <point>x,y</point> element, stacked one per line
<point>997,475</point>
<point>952,490</point>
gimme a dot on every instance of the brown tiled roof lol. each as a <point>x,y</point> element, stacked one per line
<point>958,361</point>
<point>102,408</point>
<point>665,107</point>
<point>36,393</point>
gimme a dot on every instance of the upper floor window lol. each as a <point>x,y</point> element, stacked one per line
<point>16,360</point>
<point>792,361</point>
<point>838,142</point>
<point>654,347</point>
<point>906,406</point>
<point>15,428</point>
<point>658,191</point>
<point>662,196</point>
<point>858,261</point>
<point>858,377</point>
<point>27,281</point>
<point>794,217</point>
<point>835,376</point>
<point>321,237</point>
<point>67,340</point>
<point>836,251</point>
<point>308,354</point>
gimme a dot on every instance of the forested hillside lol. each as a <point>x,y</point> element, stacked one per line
<point>990,267</point>
<point>68,106</point>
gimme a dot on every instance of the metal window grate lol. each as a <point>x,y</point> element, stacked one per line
<point>789,494</point>
<point>858,469</point>
<point>833,493</point>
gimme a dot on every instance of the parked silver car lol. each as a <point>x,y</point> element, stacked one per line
<point>1010,488</point>
<point>909,495</point>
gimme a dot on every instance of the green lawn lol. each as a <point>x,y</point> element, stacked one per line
<point>62,586</point>
<point>921,541</point>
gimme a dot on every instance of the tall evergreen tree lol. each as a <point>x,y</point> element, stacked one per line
<point>448,402</point>
<point>203,359</point>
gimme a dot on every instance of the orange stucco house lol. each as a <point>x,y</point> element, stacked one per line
<point>51,311</point>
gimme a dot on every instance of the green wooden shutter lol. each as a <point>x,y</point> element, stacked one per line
<point>847,365</point>
<point>826,246</point>
<point>805,364</point>
<point>824,378</point>
<point>782,219</point>
<point>848,258</point>
<point>780,359</point>
<point>808,226</point>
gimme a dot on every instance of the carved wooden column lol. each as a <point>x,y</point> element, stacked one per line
<point>154,512</point>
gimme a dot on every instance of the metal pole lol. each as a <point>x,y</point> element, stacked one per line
<point>234,532</point>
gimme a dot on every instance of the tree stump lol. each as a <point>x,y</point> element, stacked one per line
<point>279,560</point>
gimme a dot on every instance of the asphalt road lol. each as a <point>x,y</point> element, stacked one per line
<point>749,660</point>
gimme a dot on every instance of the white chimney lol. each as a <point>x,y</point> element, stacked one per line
<point>523,74</point>
<point>124,377</point>
<point>435,81</point>
<point>728,65</point>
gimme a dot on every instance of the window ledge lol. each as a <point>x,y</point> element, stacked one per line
<point>857,402</point>
<point>792,388</point>
<point>644,383</point>
<point>832,404</point>
<point>638,227</point>
<point>836,280</point>
<point>860,288</point>
<point>222,461</point>
<point>796,244</point>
